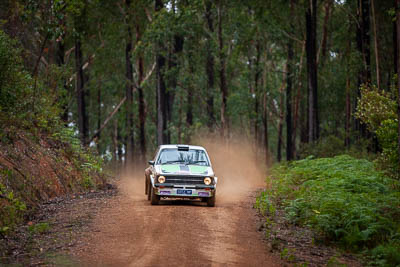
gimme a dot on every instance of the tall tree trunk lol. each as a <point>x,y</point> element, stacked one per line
<point>83,122</point>
<point>395,45</point>
<point>378,79</point>
<point>189,110</point>
<point>141,103</point>
<point>98,111</point>
<point>363,46</point>
<point>119,144</point>
<point>114,137</point>
<point>298,100</point>
<point>130,145</point>
<point>256,91</point>
<point>311,25</point>
<point>348,113</point>
<point>162,136</point>
<point>60,62</point>
<point>289,74</point>
<point>398,80</point>
<point>366,40</point>
<point>189,98</point>
<point>170,94</point>
<point>210,67</point>
<point>280,128</point>
<point>222,76</point>
<point>348,93</point>
<point>323,47</point>
<point>265,122</point>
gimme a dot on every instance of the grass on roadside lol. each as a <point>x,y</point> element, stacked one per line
<point>344,200</point>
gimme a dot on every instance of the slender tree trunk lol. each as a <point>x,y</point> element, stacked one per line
<point>189,98</point>
<point>141,103</point>
<point>114,144</point>
<point>60,62</point>
<point>119,144</point>
<point>210,67</point>
<point>170,94</point>
<point>348,97</point>
<point>363,41</point>
<point>265,122</point>
<point>311,25</point>
<point>98,111</point>
<point>366,40</point>
<point>298,100</point>
<point>280,128</point>
<point>289,148</point>
<point>395,45</point>
<point>378,79</point>
<point>180,115</point>
<point>348,113</point>
<point>161,90</point>
<point>130,145</point>
<point>80,83</point>
<point>256,91</point>
<point>189,110</point>
<point>222,76</point>
<point>363,46</point>
<point>289,74</point>
<point>323,47</point>
<point>398,79</point>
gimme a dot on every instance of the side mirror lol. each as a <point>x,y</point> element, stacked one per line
<point>151,162</point>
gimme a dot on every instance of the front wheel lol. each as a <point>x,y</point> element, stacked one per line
<point>148,190</point>
<point>154,199</point>
<point>211,201</point>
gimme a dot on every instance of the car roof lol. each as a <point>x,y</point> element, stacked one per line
<point>176,146</point>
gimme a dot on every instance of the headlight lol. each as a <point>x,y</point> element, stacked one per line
<point>161,179</point>
<point>207,180</point>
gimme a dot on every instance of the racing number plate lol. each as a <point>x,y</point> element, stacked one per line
<point>184,192</point>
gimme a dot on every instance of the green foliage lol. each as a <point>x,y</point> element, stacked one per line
<point>345,200</point>
<point>12,208</point>
<point>13,81</point>
<point>39,228</point>
<point>386,255</point>
<point>29,114</point>
<point>375,106</point>
<point>24,102</point>
<point>377,109</point>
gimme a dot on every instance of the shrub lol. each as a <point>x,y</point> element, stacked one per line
<point>377,109</point>
<point>345,200</point>
<point>12,209</point>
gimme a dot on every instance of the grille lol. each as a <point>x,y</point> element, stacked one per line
<point>184,180</point>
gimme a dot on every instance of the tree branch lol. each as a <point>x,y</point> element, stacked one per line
<point>109,117</point>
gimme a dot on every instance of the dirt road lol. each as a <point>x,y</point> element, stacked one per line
<point>131,232</point>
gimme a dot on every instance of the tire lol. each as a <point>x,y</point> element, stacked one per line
<point>154,199</point>
<point>211,201</point>
<point>148,188</point>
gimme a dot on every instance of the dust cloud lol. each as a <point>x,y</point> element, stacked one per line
<point>235,163</point>
<point>132,183</point>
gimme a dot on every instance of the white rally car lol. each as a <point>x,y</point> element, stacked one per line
<point>181,171</point>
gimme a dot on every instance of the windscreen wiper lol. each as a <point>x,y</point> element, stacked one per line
<point>197,161</point>
<point>173,161</point>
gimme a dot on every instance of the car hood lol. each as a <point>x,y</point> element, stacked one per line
<point>182,169</point>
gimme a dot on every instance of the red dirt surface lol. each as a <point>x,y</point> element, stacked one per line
<point>131,232</point>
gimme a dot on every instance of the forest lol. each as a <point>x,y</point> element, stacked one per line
<point>288,75</point>
<point>106,82</point>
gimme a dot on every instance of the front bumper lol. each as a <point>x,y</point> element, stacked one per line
<point>177,191</point>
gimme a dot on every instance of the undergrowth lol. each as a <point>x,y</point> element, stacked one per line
<point>344,200</point>
<point>35,142</point>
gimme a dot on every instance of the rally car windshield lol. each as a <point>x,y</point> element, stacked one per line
<point>189,157</point>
